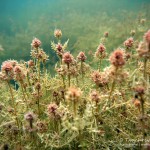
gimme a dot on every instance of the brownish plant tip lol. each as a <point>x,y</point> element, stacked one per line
<point>117,58</point>
<point>6,66</point>
<point>57,33</point>
<point>142,50</point>
<point>140,90</point>
<point>81,56</point>
<point>137,103</point>
<point>30,63</point>
<point>94,95</point>
<point>38,86</point>
<point>73,93</point>
<point>132,32</point>
<point>67,58</point>
<point>147,36</point>
<point>52,108</point>
<point>129,42</point>
<point>106,34</point>
<point>36,43</point>
<point>29,116</point>
<point>59,49</point>
<point>96,77</point>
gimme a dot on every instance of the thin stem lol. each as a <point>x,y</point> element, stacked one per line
<point>25,90</point>
<point>13,103</point>
<point>142,113</point>
<point>82,71</point>
<point>44,68</point>
<point>75,108</point>
<point>63,81</point>
<point>38,65</point>
<point>96,107</point>
<point>100,63</point>
<point>113,84</point>
<point>38,103</point>
<point>23,94</point>
<point>145,65</point>
<point>12,96</point>
<point>60,59</point>
<point>77,81</point>
<point>112,88</point>
<point>31,126</point>
<point>68,75</point>
<point>39,70</point>
<point>96,114</point>
<point>28,79</point>
<point>142,105</point>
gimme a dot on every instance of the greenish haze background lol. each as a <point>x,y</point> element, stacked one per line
<point>83,22</point>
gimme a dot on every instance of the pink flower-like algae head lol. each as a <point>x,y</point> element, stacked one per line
<point>30,63</point>
<point>57,33</point>
<point>117,58</point>
<point>67,58</point>
<point>36,43</point>
<point>101,48</point>
<point>96,77</point>
<point>17,69</point>
<point>52,108</point>
<point>29,116</point>
<point>73,93</point>
<point>81,56</point>
<point>140,90</point>
<point>147,36</point>
<point>59,49</point>
<point>106,34</point>
<point>129,42</point>
<point>94,96</point>
<point>7,66</point>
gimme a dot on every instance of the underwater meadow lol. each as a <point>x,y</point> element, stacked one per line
<point>75,75</point>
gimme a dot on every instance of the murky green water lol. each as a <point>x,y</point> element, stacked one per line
<point>82,21</point>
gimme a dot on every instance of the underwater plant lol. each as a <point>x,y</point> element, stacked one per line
<point>80,107</point>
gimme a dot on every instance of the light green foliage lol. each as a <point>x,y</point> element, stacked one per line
<point>92,112</point>
<point>79,107</point>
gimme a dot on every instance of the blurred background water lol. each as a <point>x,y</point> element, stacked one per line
<point>83,22</point>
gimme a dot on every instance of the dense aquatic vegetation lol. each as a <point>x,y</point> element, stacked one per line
<point>84,85</point>
<point>81,107</point>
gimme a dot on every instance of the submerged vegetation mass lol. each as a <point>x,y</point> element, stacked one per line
<point>97,103</point>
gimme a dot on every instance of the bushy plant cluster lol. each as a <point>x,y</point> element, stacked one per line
<point>80,107</point>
